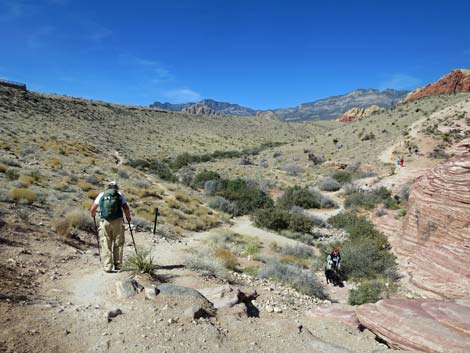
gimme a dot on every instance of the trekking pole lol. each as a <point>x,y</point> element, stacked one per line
<point>132,235</point>
<point>97,237</point>
<point>155,223</point>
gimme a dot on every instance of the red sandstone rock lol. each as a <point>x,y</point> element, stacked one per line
<point>425,325</point>
<point>337,312</point>
<point>436,231</point>
<point>456,81</point>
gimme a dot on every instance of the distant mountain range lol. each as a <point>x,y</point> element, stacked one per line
<point>322,109</point>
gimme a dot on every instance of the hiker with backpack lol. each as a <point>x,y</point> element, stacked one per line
<point>111,204</point>
<point>333,265</point>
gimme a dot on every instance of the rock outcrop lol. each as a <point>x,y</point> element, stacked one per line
<point>337,312</point>
<point>455,81</point>
<point>436,231</point>
<point>422,324</point>
<point>354,114</point>
<point>199,109</point>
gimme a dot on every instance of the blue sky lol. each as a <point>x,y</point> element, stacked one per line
<point>261,54</point>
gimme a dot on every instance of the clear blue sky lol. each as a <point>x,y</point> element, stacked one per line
<point>262,54</point>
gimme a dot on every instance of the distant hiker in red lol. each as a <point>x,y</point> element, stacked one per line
<point>402,162</point>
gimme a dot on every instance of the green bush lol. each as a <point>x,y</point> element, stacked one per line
<point>272,218</point>
<point>12,174</point>
<point>297,196</point>
<point>245,198</point>
<point>342,176</point>
<point>202,177</point>
<point>366,292</point>
<point>369,200</point>
<point>329,184</point>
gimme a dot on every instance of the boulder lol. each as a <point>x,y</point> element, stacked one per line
<point>227,296</point>
<point>425,325</point>
<point>128,288</point>
<point>455,81</point>
<point>199,305</point>
<point>195,312</point>
<point>435,237</point>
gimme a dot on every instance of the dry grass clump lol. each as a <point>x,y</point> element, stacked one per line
<point>92,194</point>
<point>142,262</point>
<point>54,163</point>
<point>204,262</point>
<point>77,218</point>
<point>182,197</point>
<point>84,185</point>
<point>23,195</point>
<point>27,179</point>
<point>3,168</point>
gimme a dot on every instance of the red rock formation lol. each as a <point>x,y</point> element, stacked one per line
<point>337,312</point>
<point>422,324</point>
<point>456,81</point>
<point>436,231</point>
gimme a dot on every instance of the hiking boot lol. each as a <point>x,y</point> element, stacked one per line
<point>108,270</point>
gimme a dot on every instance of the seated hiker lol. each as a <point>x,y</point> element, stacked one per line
<point>111,204</point>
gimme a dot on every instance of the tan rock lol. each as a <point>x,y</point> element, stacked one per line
<point>354,114</point>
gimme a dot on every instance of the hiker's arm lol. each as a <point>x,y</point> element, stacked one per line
<point>127,212</point>
<point>93,209</point>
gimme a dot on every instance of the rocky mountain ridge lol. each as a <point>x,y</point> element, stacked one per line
<point>322,109</point>
<point>355,113</point>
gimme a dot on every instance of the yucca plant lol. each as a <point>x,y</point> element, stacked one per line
<point>140,263</point>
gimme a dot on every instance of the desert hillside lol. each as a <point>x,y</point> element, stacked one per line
<point>249,208</point>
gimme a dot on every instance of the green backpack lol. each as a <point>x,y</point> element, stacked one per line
<point>110,205</point>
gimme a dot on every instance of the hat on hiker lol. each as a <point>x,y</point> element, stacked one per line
<point>335,249</point>
<point>113,184</point>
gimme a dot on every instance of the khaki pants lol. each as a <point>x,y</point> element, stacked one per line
<point>112,243</point>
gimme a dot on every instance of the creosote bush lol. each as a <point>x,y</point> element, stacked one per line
<point>293,276</point>
<point>329,184</point>
<point>367,292</point>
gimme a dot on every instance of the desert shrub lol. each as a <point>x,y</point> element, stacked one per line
<point>54,163</point>
<point>26,179</point>
<point>80,219</point>
<point>301,251</point>
<point>206,263</point>
<point>141,223</point>
<point>272,218</point>
<point>186,175</point>
<point>182,197</point>
<point>92,194</point>
<point>245,198</point>
<point>300,223</point>
<point>162,170</point>
<point>367,252</point>
<point>3,168</point>
<point>278,219</point>
<point>405,192</point>
<point>213,186</point>
<point>342,176</point>
<point>366,292</point>
<point>10,162</point>
<point>85,186</point>
<point>62,227</point>
<point>369,200</point>
<point>12,174</point>
<point>329,184</point>
<point>364,258</point>
<point>317,221</point>
<point>298,196</point>
<point>23,195</point>
<point>201,178</point>
<point>222,204</point>
<point>293,169</point>
<point>293,276</point>
<point>142,262</point>
<point>92,179</point>
<point>228,258</point>
<point>327,202</point>
<point>122,174</point>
